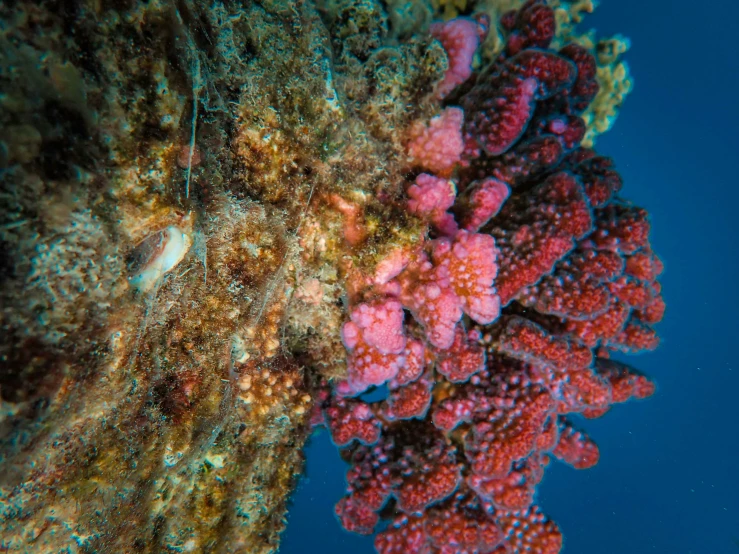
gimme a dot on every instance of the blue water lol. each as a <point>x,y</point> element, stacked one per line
<point>667,480</point>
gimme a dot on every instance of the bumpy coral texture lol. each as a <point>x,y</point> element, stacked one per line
<point>613,75</point>
<point>460,38</point>
<point>438,146</point>
<point>523,287</point>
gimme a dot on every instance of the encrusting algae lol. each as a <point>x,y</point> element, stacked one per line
<point>186,192</point>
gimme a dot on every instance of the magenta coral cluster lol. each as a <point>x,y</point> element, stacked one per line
<point>501,322</point>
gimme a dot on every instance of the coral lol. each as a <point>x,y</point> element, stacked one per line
<point>460,38</point>
<point>352,420</point>
<point>375,341</point>
<point>469,261</point>
<point>463,358</point>
<point>514,316</point>
<point>437,147</point>
<point>501,105</point>
<point>431,197</point>
<point>538,228</point>
<point>612,74</point>
<point>484,200</point>
<point>223,224</point>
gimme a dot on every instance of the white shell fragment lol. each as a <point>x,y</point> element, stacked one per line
<point>156,255</point>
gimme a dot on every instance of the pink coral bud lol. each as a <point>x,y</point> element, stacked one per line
<point>345,388</point>
<point>438,146</point>
<point>576,448</point>
<point>354,229</point>
<point>532,25</point>
<point>390,267</point>
<point>464,358</point>
<point>376,342</point>
<point>503,119</point>
<point>453,411</point>
<point>460,38</point>
<point>381,324</point>
<point>415,362</point>
<point>483,25</point>
<point>440,311</point>
<point>355,516</point>
<point>310,292</point>
<point>485,200</point>
<point>427,292</point>
<point>367,367</point>
<point>435,482</point>
<point>350,420</point>
<point>350,334</point>
<point>409,401</point>
<point>432,196</point>
<point>470,259</point>
<point>527,341</point>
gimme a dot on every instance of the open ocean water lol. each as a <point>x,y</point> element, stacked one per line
<point>667,478</point>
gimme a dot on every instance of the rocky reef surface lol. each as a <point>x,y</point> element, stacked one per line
<point>188,192</point>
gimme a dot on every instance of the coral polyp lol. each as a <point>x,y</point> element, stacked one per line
<point>222,224</point>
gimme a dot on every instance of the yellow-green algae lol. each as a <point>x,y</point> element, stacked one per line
<point>172,419</point>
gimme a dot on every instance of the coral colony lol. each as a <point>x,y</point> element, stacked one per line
<point>478,405</point>
<point>223,226</point>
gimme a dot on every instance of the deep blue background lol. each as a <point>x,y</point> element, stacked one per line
<point>667,479</point>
